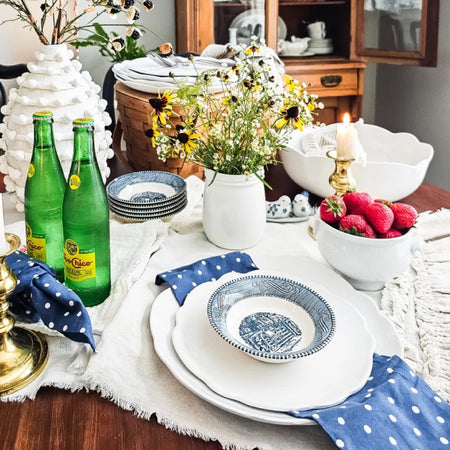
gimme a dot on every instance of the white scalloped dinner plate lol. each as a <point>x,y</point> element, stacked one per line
<point>162,322</point>
<point>322,379</point>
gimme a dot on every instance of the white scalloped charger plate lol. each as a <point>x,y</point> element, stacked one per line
<point>162,322</point>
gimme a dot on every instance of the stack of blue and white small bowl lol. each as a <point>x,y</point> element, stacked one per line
<point>146,195</point>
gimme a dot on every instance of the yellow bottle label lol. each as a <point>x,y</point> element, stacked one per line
<point>74,181</point>
<point>35,244</point>
<point>31,171</point>
<point>78,265</point>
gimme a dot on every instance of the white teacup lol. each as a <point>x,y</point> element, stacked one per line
<point>317,30</point>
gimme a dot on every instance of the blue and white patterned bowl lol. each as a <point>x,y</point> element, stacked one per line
<point>146,187</point>
<point>271,318</point>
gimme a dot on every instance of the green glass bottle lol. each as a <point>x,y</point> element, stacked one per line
<point>44,192</point>
<point>86,221</point>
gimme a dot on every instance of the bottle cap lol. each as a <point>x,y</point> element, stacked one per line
<point>42,115</point>
<point>83,122</point>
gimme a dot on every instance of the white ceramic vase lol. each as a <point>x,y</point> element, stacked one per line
<point>234,212</point>
<point>54,83</point>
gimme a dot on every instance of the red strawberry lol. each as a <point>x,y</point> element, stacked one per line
<point>332,209</point>
<point>356,202</point>
<point>405,216</point>
<point>357,225</point>
<point>391,233</point>
<point>379,216</point>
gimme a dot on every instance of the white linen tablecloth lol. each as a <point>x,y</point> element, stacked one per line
<point>124,342</point>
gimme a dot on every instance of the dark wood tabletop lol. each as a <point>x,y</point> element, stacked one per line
<point>58,419</point>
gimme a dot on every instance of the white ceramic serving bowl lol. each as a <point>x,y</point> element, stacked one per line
<point>396,164</point>
<point>366,263</point>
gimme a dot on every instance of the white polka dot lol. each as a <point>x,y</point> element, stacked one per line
<point>213,279</point>
<point>31,263</point>
<point>31,295</point>
<point>51,324</point>
<point>370,378</point>
<point>71,303</point>
<point>368,395</point>
<point>315,416</point>
<point>179,275</point>
<point>18,281</point>
<point>35,276</point>
<point>368,407</point>
<point>415,409</point>
<point>391,380</point>
<point>367,429</point>
<point>65,328</point>
<point>391,400</point>
<point>340,443</point>
<point>46,285</point>
<point>342,407</point>
<point>443,440</point>
<point>440,419</point>
<point>58,294</point>
<point>253,264</point>
<point>164,275</point>
<point>417,431</point>
<point>414,390</point>
<point>78,313</point>
<point>412,373</point>
<point>218,267</point>
<point>392,440</point>
<point>66,313</point>
<point>194,283</point>
<point>393,418</point>
<point>438,399</point>
<point>47,305</point>
<point>238,259</point>
<point>29,312</point>
<point>174,286</point>
<point>389,370</point>
<point>341,420</point>
<point>370,390</point>
<point>204,263</point>
<point>199,272</point>
<point>82,330</point>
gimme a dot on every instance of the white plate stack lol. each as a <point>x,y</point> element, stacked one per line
<point>140,196</point>
<point>321,46</point>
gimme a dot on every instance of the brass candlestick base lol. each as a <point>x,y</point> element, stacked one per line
<point>23,353</point>
<point>341,180</point>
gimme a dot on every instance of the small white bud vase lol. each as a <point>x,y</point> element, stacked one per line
<point>234,210</point>
<point>54,82</point>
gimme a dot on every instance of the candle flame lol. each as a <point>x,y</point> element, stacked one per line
<point>346,120</point>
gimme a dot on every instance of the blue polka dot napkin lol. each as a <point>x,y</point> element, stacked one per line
<point>396,409</point>
<point>183,279</point>
<point>38,295</point>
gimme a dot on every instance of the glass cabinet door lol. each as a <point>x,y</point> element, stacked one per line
<point>398,31</point>
<point>235,22</point>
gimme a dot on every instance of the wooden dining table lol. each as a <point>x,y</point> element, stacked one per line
<point>58,419</point>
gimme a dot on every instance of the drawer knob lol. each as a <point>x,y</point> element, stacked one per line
<point>331,80</point>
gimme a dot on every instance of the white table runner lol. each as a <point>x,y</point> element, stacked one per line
<point>124,343</point>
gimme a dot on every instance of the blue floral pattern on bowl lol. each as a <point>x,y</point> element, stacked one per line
<point>263,330</point>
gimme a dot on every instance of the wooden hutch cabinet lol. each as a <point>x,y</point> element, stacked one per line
<point>358,30</point>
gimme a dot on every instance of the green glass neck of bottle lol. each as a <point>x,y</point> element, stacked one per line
<point>83,144</point>
<point>43,134</point>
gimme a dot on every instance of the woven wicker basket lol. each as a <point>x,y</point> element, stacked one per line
<point>134,109</point>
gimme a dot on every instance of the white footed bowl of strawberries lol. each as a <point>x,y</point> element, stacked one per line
<point>369,241</point>
<point>396,162</point>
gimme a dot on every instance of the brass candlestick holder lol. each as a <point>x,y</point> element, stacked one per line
<point>341,180</point>
<point>23,353</point>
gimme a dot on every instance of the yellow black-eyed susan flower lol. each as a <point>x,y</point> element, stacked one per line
<point>290,113</point>
<point>162,106</point>
<point>187,139</point>
<point>152,133</point>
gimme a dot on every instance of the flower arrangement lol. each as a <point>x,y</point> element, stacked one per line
<point>236,129</point>
<point>57,24</point>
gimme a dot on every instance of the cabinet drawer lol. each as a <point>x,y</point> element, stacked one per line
<point>329,83</point>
